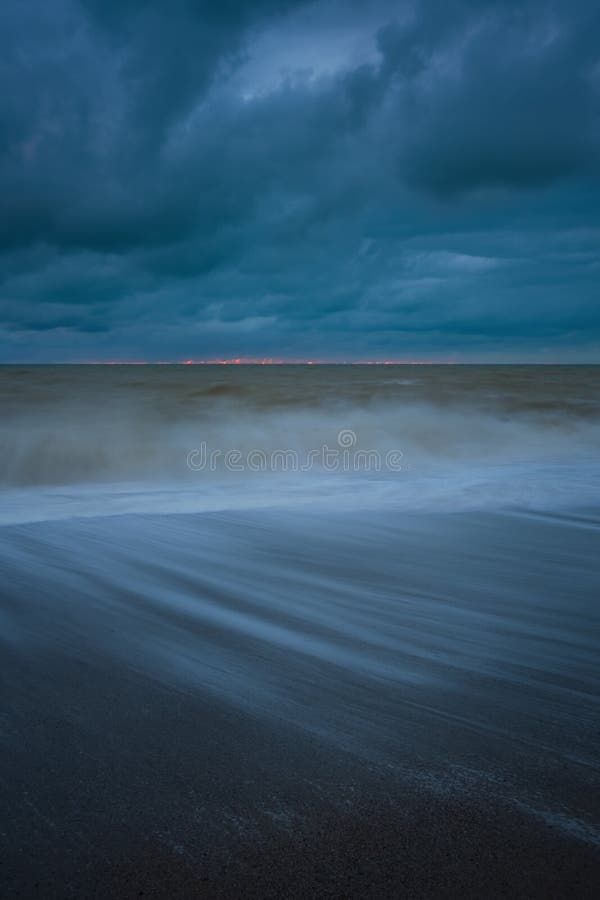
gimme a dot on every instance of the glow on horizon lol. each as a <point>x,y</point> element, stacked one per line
<point>268,361</point>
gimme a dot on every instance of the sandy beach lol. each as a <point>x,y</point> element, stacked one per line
<point>408,727</point>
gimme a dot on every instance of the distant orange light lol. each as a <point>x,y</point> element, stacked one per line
<point>269,361</point>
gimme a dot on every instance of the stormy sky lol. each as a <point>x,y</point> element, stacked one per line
<point>334,180</point>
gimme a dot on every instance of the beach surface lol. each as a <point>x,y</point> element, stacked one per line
<point>266,704</point>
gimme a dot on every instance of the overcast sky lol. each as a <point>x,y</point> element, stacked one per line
<point>334,179</point>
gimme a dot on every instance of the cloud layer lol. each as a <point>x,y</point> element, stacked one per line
<point>299,179</point>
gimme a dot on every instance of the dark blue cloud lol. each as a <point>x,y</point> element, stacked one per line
<point>299,179</point>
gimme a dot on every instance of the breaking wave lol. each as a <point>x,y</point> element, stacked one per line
<point>136,435</point>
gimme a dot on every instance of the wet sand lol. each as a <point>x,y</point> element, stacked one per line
<point>272,705</point>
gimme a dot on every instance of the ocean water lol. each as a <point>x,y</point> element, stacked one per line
<point>95,440</point>
<point>401,561</point>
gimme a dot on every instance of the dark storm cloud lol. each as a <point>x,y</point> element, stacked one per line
<point>299,178</point>
<point>519,106</point>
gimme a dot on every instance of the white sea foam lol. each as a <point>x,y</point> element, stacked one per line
<point>91,448</point>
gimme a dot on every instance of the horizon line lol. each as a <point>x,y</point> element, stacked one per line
<point>236,361</point>
<point>251,361</point>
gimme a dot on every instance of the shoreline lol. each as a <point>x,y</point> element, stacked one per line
<point>262,704</point>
